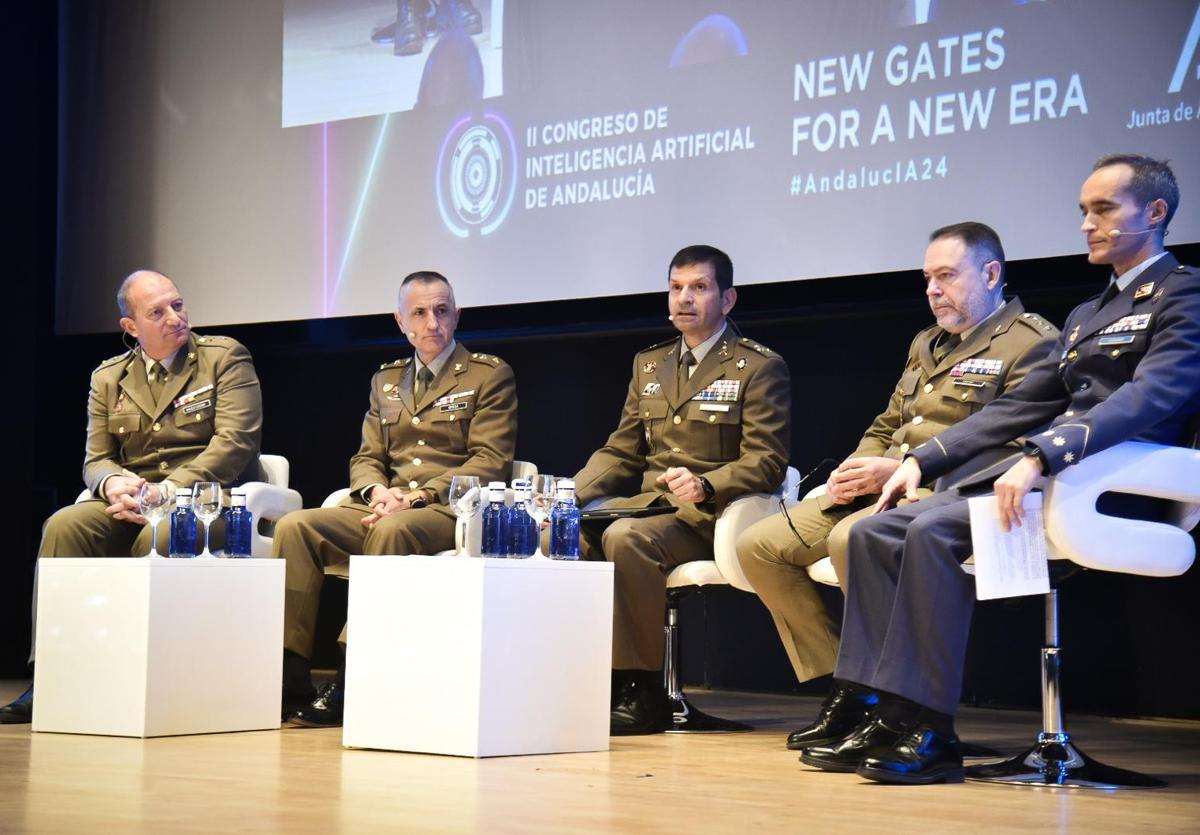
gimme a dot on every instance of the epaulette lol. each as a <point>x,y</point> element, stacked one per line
<point>662,344</point>
<point>113,360</point>
<point>1036,322</point>
<point>754,346</point>
<point>214,341</point>
<point>395,363</point>
<point>486,359</point>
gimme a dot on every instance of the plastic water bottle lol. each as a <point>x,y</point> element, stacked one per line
<point>495,518</point>
<point>238,526</point>
<point>183,526</point>
<point>564,522</point>
<point>522,529</point>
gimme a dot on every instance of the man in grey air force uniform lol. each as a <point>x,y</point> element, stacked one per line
<point>980,348</point>
<point>706,420</point>
<point>178,407</point>
<point>444,412</point>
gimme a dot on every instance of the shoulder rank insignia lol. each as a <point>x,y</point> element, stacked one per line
<point>720,390</point>
<point>486,358</point>
<point>393,364</point>
<point>650,367</point>
<point>990,367</point>
<point>1143,291</point>
<point>1134,322</point>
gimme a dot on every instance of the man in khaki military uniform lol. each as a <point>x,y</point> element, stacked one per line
<point>980,347</point>
<point>706,420</point>
<point>444,412</point>
<point>177,407</point>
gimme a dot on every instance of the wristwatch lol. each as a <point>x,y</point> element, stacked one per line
<point>709,492</point>
<point>1034,451</point>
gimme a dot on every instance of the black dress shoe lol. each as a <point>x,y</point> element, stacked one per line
<point>408,33</point>
<point>919,757</point>
<point>325,711</point>
<point>19,711</point>
<point>842,711</point>
<point>465,16</point>
<point>641,708</point>
<point>872,738</point>
<point>298,690</point>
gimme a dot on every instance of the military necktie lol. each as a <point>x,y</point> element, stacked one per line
<point>424,378</point>
<point>157,376</point>
<point>1110,293</point>
<point>943,347</point>
<point>685,364</point>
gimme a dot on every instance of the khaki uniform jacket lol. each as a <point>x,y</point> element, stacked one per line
<point>205,426</point>
<point>933,396</point>
<point>730,423</point>
<point>464,424</point>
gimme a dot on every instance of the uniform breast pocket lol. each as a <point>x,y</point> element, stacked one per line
<point>909,380</point>
<point>973,393</point>
<point>195,417</point>
<point>716,428</point>
<point>653,413</point>
<point>1122,347</point>
<point>124,425</point>
<point>451,421</point>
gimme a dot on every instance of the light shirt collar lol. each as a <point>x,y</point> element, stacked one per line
<point>701,350</point>
<point>167,362</point>
<point>965,334</point>
<point>438,362</point>
<point>1131,275</point>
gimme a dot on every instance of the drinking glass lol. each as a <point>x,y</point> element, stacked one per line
<point>543,503</point>
<point>154,502</point>
<point>206,504</point>
<point>465,499</point>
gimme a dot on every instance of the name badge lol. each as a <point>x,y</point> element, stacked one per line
<point>714,407</point>
<point>975,384</point>
<point>196,407</point>
<point>452,407</point>
<point>1115,340</point>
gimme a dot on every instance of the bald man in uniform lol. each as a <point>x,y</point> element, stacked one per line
<point>177,407</point>
<point>706,420</point>
<point>980,347</point>
<point>446,411</point>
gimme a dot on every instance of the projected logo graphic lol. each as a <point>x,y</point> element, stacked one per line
<point>1186,55</point>
<point>476,175</point>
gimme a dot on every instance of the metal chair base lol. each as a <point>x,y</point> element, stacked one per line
<point>1055,762</point>
<point>689,720</point>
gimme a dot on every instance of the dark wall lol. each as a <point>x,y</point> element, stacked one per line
<point>844,339</point>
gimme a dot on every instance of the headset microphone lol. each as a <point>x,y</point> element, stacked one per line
<point>670,317</point>
<point>411,334</point>
<point>1117,233</point>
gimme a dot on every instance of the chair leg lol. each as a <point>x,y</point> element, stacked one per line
<point>687,719</point>
<point>1054,760</point>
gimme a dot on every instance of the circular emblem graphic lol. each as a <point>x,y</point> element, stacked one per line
<point>476,175</point>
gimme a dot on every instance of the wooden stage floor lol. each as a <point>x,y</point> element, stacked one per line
<point>298,780</point>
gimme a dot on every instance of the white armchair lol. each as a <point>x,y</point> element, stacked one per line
<point>1097,541</point>
<point>723,569</point>
<point>267,500</point>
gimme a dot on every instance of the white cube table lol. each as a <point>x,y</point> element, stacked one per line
<point>158,647</point>
<point>478,657</point>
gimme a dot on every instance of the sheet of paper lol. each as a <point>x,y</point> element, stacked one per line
<point>1009,564</point>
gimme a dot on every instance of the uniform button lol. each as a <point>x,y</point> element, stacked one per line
<point>928,387</point>
<point>162,465</point>
<point>157,426</point>
<point>1083,386</point>
<point>412,485</point>
<point>1074,355</point>
<point>918,420</point>
<point>383,420</point>
<point>677,419</point>
<point>453,418</point>
<point>904,447</point>
<point>964,395</point>
<point>420,442</point>
<point>647,414</point>
<point>416,420</point>
<point>120,430</point>
<point>676,449</point>
<point>417,462</point>
<point>712,418</point>
<point>1116,352</point>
